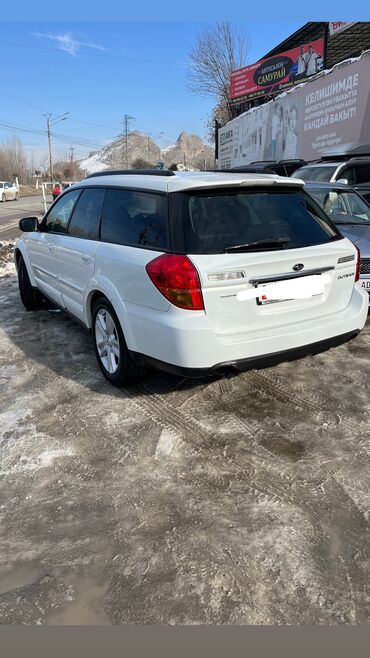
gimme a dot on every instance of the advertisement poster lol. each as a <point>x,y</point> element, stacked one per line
<point>338,26</point>
<point>275,74</point>
<point>330,110</point>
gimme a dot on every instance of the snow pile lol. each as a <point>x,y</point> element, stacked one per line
<point>7,267</point>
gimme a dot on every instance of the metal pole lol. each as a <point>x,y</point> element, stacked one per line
<point>49,141</point>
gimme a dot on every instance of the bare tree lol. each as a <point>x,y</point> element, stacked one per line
<point>13,161</point>
<point>219,50</point>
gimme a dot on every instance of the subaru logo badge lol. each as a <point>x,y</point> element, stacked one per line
<point>298,267</point>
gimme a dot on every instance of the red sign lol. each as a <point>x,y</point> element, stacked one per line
<point>279,72</point>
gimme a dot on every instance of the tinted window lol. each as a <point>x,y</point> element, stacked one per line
<point>342,206</point>
<point>134,218</point>
<point>363,174</point>
<point>348,173</point>
<point>215,221</point>
<point>86,215</point>
<point>58,217</point>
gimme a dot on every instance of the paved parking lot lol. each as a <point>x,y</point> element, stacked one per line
<point>234,500</point>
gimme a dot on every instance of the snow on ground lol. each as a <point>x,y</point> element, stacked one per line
<point>229,500</point>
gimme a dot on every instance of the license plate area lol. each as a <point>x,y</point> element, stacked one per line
<point>365,283</point>
<point>263,299</point>
<point>277,292</point>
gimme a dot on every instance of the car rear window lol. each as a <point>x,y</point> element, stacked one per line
<point>215,221</point>
<point>316,173</point>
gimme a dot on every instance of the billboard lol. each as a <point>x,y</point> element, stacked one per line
<point>332,109</point>
<point>336,27</point>
<point>279,72</point>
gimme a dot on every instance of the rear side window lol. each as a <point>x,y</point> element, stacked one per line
<point>87,213</point>
<point>134,218</point>
<point>213,222</point>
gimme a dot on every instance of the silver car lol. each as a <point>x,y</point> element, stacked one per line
<point>351,214</point>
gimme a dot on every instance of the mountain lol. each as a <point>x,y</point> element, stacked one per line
<point>189,150</point>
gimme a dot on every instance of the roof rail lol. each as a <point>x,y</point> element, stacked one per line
<point>133,172</point>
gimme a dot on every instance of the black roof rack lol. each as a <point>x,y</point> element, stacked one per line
<point>133,172</point>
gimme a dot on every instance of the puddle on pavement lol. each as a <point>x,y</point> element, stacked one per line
<point>17,578</point>
<point>85,609</point>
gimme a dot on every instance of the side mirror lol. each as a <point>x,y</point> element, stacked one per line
<point>28,224</point>
<point>343,181</point>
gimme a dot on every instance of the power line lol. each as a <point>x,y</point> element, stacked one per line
<point>2,91</point>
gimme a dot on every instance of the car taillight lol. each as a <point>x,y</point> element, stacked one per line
<point>358,264</point>
<point>178,281</point>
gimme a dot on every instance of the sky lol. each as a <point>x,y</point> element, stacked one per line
<point>98,72</point>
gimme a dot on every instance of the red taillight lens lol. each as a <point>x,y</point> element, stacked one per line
<point>178,281</point>
<point>357,275</point>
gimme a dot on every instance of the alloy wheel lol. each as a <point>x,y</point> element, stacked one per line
<point>107,341</point>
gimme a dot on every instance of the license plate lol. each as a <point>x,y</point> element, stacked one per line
<point>286,291</point>
<point>263,299</point>
<point>366,284</point>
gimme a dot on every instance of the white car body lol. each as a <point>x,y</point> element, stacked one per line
<point>71,270</point>
<point>8,191</point>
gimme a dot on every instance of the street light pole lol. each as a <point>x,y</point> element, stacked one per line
<point>49,142</point>
<point>49,123</point>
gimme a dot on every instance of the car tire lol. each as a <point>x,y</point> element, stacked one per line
<point>110,346</point>
<point>30,297</point>
<point>3,198</point>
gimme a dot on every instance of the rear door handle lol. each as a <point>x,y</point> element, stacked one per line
<point>86,258</point>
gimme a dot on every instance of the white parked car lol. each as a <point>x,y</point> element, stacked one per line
<point>8,191</point>
<point>193,273</point>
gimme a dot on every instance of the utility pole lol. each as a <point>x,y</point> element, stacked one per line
<point>126,121</point>
<point>150,136</point>
<point>72,163</point>
<point>50,122</point>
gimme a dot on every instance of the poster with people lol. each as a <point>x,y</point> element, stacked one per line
<point>331,109</point>
<point>274,74</point>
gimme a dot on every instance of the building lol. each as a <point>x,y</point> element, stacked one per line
<point>341,41</point>
<point>308,94</point>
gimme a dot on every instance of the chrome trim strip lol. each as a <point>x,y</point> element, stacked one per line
<point>289,275</point>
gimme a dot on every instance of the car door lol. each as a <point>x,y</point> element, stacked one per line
<point>76,250</point>
<point>42,244</point>
<point>9,192</point>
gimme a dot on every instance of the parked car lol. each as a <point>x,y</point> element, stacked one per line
<point>364,190</point>
<point>348,164</point>
<point>279,167</point>
<point>351,213</point>
<point>8,191</point>
<point>158,265</point>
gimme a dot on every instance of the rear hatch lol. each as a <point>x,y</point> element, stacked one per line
<point>248,239</point>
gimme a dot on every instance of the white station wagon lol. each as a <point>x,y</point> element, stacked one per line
<point>8,191</point>
<point>193,273</point>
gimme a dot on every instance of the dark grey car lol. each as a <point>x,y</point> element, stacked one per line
<point>349,211</point>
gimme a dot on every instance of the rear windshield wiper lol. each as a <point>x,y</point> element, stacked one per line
<point>273,243</point>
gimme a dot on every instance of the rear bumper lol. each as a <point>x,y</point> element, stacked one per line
<point>265,361</point>
<point>186,342</point>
